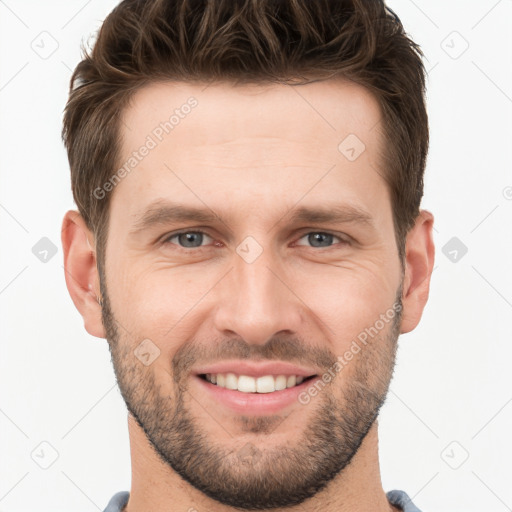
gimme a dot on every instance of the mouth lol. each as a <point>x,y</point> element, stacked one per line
<point>253,387</point>
<point>253,395</point>
<point>250,384</point>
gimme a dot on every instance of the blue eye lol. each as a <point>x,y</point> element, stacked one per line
<point>194,239</point>
<point>188,239</point>
<point>321,239</point>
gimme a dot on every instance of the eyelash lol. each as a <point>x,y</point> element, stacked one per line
<point>166,240</point>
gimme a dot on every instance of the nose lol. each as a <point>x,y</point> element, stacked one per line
<point>256,301</point>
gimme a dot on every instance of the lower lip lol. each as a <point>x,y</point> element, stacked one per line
<point>254,403</point>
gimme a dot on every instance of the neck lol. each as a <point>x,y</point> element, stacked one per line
<point>157,487</point>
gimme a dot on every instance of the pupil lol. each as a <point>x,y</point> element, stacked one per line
<point>319,237</point>
<point>188,239</point>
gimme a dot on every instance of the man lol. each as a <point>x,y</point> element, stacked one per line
<point>248,177</point>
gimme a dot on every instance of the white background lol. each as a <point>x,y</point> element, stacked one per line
<point>451,397</point>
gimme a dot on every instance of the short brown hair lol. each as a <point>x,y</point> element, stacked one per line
<point>247,41</point>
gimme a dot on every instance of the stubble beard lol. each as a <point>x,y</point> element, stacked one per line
<point>245,475</point>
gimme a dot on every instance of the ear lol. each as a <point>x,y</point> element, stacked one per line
<point>419,262</point>
<point>81,272</point>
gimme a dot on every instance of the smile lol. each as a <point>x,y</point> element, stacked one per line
<point>248,384</point>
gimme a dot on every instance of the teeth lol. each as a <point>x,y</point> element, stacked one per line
<point>280,383</point>
<point>265,384</point>
<point>247,384</point>
<point>231,381</point>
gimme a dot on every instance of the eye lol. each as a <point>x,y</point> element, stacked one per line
<point>195,239</point>
<point>322,239</point>
<point>187,239</point>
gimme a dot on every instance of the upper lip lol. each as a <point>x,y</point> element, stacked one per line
<point>256,369</point>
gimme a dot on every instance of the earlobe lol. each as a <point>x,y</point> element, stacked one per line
<point>419,263</point>
<point>81,272</point>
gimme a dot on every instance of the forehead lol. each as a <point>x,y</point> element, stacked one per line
<point>320,110</point>
<point>269,141</point>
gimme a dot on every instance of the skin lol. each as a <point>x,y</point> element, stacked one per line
<point>252,154</point>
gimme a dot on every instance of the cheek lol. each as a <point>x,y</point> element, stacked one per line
<point>157,302</point>
<point>164,303</point>
<point>347,300</point>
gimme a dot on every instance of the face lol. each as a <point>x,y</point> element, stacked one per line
<point>251,283</point>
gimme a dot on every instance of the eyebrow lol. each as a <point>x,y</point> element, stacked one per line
<point>164,212</point>
<point>335,213</point>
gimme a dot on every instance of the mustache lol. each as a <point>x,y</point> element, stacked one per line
<point>293,350</point>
